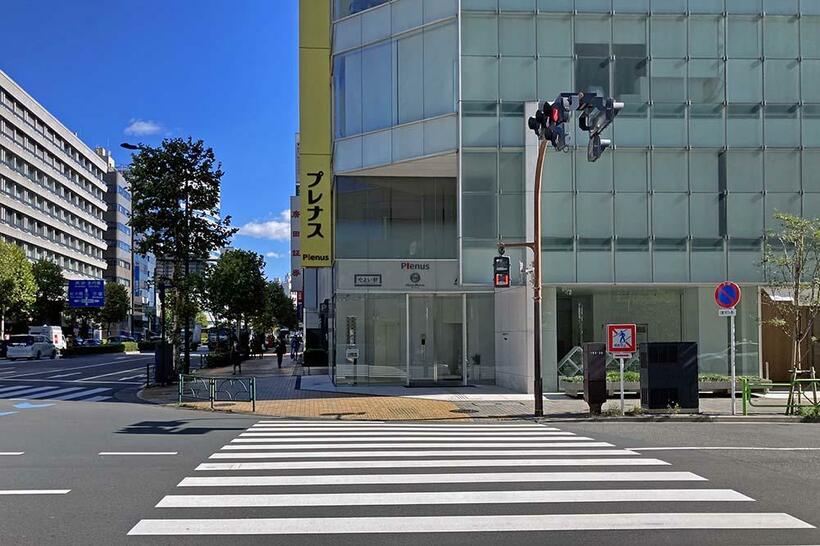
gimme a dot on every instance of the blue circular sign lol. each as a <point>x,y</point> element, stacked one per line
<point>727,295</point>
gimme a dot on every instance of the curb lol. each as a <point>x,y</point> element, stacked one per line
<point>757,419</point>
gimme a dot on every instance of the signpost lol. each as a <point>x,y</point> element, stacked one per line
<point>727,296</point>
<point>621,344</point>
<point>85,294</point>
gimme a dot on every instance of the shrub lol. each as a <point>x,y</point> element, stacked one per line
<point>611,410</point>
<point>131,346</point>
<point>810,415</point>
<point>218,360</point>
<point>83,350</point>
<point>615,377</point>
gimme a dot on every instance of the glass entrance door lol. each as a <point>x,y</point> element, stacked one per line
<point>436,340</point>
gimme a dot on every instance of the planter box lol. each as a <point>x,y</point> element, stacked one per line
<point>576,389</point>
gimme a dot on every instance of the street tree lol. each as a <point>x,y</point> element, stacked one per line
<point>17,285</point>
<point>791,265</point>
<point>284,311</point>
<point>50,298</point>
<point>234,288</point>
<point>175,206</point>
<point>117,304</point>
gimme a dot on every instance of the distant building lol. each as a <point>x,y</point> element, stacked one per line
<point>52,192</point>
<point>118,237</point>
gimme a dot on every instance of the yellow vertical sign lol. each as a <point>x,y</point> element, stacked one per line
<point>315,177</point>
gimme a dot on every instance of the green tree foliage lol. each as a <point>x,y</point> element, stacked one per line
<point>175,191</point>
<point>17,286</point>
<point>284,311</point>
<point>234,287</point>
<point>791,265</point>
<point>117,304</point>
<point>51,293</point>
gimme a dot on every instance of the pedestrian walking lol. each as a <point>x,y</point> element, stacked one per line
<point>280,351</point>
<point>294,347</point>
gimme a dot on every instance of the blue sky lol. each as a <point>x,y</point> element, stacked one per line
<point>225,71</point>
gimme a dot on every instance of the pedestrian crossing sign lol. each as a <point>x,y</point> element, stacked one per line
<point>621,339</point>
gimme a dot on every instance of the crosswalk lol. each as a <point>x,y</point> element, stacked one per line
<point>55,392</point>
<point>351,478</point>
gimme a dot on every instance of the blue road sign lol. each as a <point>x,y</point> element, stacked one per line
<point>86,293</point>
<point>727,295</point>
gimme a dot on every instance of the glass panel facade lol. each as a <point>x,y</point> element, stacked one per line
<point>382,218</point>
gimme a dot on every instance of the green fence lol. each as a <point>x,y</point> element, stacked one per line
<point>802,393</point>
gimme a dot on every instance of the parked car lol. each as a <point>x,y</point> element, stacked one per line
<point>87,342</point>
<point>113,340</point>
<point>54,333</point>
<point>30,346</point>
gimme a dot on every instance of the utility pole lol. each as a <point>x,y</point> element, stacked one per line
<point>186,318</point>
<point>548,124</point>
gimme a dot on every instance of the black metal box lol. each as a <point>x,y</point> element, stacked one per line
<point>669,376</point>
<point>594,360</point>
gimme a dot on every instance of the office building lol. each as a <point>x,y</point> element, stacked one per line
<point>433,165</point>
<point>52,192</point>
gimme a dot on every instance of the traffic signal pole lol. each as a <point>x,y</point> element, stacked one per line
<point>538,385</point>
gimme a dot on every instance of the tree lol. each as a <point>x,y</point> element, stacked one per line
<point>234,287</point>
<point>175,191</point>
<point>50,299</point>
<point>791,264</point>
<point>17,286</point>
<point>283,309</point>
<point>117,304</point>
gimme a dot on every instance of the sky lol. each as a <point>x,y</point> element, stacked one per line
<point>224,71</point>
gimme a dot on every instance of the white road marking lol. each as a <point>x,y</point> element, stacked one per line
<point>34,491</point>
<point>448,453</point>
<point>111,453</point>
<point>315,436</point>
<point>65,375</point>
<point>112,373</point>
<point>10,453</point>
<point>480,477</point>
<point>4,389</point>
<point>468,524</point>
<point>23,392</point>
<point>428,445</point>
<point>96,399</point>
<point>435,463</point>
<point>76,395</point>
<point>52,393</point>
<point>133,377</point>
<point>468,441</point>
<point>380,424</point>
<point>409,428</point>
<point>708,448</point>
<point>41,372</point>
<point>453,497</point>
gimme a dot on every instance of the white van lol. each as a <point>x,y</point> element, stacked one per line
<point>31,346</point>
<point>52,333</point>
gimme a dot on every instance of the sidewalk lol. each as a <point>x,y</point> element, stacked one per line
<point>278,395</point>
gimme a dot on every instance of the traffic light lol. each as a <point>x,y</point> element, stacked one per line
<point>597,113</point>
<point>549,122</point>
<point>501,272</point>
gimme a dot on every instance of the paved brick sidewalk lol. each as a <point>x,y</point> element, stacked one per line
<point>277,396</point>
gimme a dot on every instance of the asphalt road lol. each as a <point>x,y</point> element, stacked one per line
<point>166,475</point>
<point>99,378</point>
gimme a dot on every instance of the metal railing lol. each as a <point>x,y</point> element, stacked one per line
<point>799,390</point>
<point>216,389</point>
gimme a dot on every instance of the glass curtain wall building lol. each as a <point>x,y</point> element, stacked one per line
<point>433,166</point>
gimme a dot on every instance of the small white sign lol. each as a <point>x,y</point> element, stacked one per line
<point>727,312</point>
<point>352,353</point>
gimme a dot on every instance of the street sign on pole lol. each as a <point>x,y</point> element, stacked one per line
<point>621,343</point>
<point>84,294</point>
<point>727,296</point>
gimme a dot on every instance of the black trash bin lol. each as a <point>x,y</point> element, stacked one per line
<point>669,376</point>
<point>594,360</point>
<point>163,363</point>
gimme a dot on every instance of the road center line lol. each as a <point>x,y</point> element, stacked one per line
<point>34,491</point>
<point>93,377</point>
<point>128,453</point>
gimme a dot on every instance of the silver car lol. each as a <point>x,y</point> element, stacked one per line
<point>31,346</point>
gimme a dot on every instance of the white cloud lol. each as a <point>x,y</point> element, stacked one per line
<point>275,230</point>
<point>142,127</point>
<point>274,255</point>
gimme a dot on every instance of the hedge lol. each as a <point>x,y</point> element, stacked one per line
<point>130,346</point>
<point>84,350</point>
